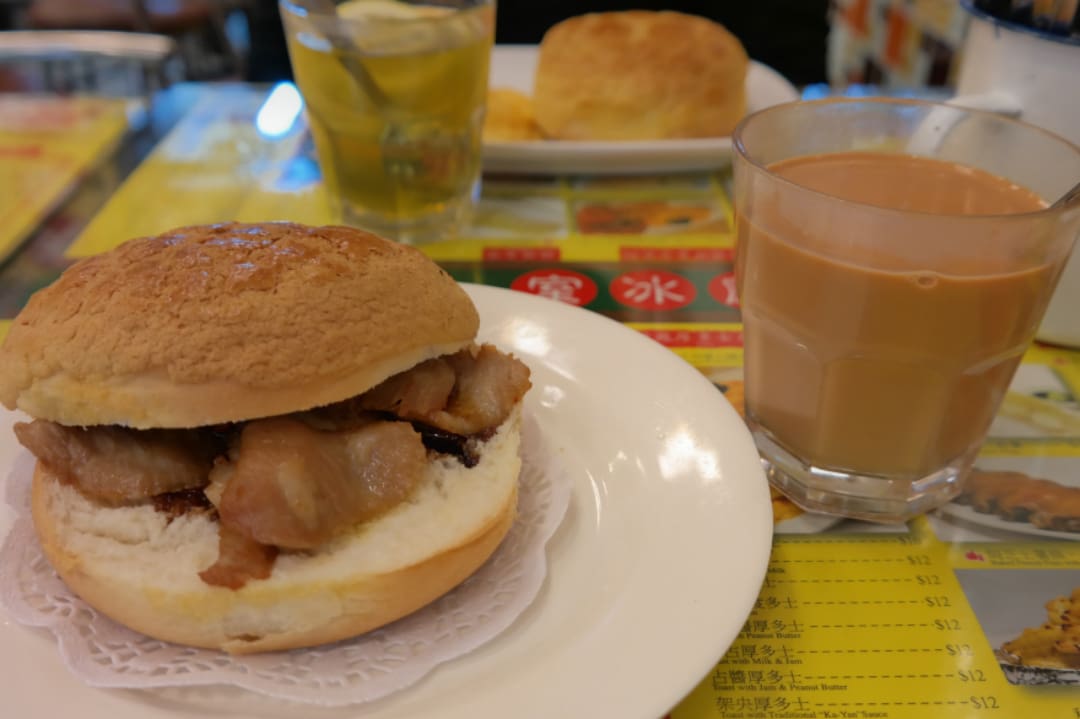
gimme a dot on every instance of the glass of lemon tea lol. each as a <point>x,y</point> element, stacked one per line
<point>395,93</point>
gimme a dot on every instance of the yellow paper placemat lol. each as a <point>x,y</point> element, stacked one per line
<point>217,166</point>
<point>46,145</point>
<point>214,166</point>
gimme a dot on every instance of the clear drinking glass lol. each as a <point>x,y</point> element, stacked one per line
<point>880,340</point>
<point>395,94</point>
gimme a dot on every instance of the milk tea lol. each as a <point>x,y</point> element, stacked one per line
<point>873,362</point>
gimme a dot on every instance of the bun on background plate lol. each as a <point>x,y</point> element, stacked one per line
<point>509,117</point>
<point>258,437</point>
<point>639,75</point>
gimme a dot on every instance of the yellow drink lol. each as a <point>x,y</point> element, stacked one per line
<point>396,109</point>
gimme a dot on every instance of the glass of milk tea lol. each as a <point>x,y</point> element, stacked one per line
<point>395,95</point>
<point>894,259</point>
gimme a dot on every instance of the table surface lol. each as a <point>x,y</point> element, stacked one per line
<point>853,620</point>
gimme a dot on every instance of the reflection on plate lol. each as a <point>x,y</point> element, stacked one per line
<point>807,523</point>
<point>631,617</point>
<point>514,66</point>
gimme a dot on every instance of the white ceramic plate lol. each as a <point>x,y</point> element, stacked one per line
<point>1063,470</point>
<point>651,575</point>
<point>514,66</point>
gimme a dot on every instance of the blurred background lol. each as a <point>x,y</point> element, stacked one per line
<point>205,39</point>
<point>892,44</point>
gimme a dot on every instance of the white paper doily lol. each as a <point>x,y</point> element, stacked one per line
<point>106,654</point>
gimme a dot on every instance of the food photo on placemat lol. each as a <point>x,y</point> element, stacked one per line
<point>1017,498</point>
<point>1031,618</point>
<point>1040,404</point>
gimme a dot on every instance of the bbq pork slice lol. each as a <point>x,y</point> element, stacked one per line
<point>116,465</point>
<point>294,482</point>
<point>287,485</point>
<point>486,385</point>
<point>297,488</point>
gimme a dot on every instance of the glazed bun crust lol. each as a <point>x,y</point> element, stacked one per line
<point>135,566</point>
<point>223,323</point>
<point>639,75</point>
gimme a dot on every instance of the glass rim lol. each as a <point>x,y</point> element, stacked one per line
<point>299,8</point>
<point>741,150</point>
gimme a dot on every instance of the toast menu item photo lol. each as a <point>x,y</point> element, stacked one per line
<point>255,437</point>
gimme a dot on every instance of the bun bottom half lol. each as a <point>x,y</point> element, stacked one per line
<point>135,566</point>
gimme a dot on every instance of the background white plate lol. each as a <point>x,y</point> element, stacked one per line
<point>807,523</point>
<point>514,66</point>
<point>652,573</point>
